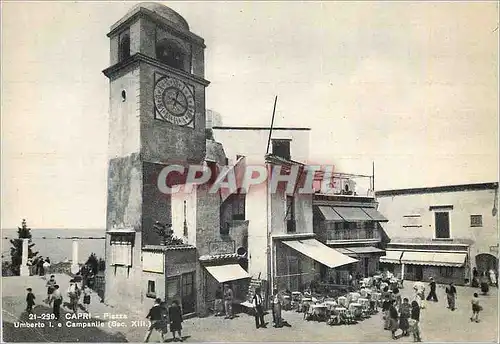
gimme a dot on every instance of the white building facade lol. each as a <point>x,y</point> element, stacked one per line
<point>442,232</point>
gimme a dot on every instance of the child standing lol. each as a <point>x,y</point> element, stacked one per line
<point>476,308</point>
<point>86,298</point>
<point>404,315</point>
<point>415,321</point>
<point>30,300</point>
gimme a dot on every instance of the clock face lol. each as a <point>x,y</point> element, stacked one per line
<point>174,101</point>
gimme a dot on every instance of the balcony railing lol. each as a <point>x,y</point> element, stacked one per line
<point>352,234</point>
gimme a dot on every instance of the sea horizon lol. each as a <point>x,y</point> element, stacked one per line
<point>57,243</point>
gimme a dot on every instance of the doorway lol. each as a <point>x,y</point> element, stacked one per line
<point>366,266</point>
<point>419,273</point>
<point>293,274</point>
<point>188,293</point>
<point>182,289</point>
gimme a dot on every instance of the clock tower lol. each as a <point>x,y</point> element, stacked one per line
<point>156,118</point>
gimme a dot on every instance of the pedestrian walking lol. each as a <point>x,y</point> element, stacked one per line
<point>475,278</point>
<point>397,297</point>
<point>164,320</point>
<point>86,297</point>
<point>485,287</point>
<point>46,266</point>
<point>30,300</point>
<point>50,287</point>
<point>277,306</point>
<point>404,315</point>
<point>228,301</point>
<point>57,299</point>
<point>432,293</point>
<point>74,296</point>
<point>476,308</point>
<point>393,319</point>
<point>175,318</point>
<point>41,269</point>
<point>35,266</point>
<point>451,294</point>
<point>155,317</point>
<point>218,305</point>
<point>386,305</point>
<point>492,276</point>
<point>415,321</point>
<point>258,311</point>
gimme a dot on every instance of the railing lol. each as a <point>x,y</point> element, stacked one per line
<point>352,234</point>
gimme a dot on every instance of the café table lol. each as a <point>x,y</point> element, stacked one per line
<point>342,301</point>
<point>318,311</point>
<point>356,309</point>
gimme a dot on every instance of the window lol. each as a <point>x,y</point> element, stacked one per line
<point>412,221</point>
<point>339,226</point>
<point>290,214</point>
<point>238,206</point>
<point>185,220</point>
<point>446,271</point>
<point>369,233</point>
<point>124,46</point>
<point>371,225</point>
<point>170,53</point>
<point>476,220</point>
<point>151,289</point>
<point>281,148</point>
<point>121,250</point>
<point>442,222</point>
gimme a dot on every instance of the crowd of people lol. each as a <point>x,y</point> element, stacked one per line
<point>78,287</point>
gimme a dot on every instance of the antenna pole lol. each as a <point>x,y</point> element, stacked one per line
<point>373,176</point>
<point>272,123</point>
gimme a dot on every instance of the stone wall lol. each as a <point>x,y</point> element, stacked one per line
<point>124,283</point>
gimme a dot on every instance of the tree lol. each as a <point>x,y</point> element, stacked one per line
<point>167,235</point>
<point>16,251</point>
<point>93,262</point>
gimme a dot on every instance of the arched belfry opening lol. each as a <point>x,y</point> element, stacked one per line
<point>124,47</point>
<point>171,53</point>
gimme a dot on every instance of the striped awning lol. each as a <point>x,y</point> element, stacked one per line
<point>351,214</point>
<point>375,215</point>
<point>434,258</point>
<point>227,273</point>
<point>329,214</point>
<point>319,252</point>
<point>392,257</point>
<point>354,251</point>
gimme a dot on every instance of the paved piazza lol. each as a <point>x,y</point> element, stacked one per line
<point>438,323</point>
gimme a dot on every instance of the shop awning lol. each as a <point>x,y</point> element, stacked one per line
<point>351,214</point>
<point>391,256</point>
<point>375,215</point>
<point>434,258</point>
<point>353,251</point>
<point>228,272</point>
<point>329,214</point>
<point>320,253</point>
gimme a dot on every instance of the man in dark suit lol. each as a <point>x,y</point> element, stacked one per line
<point>432,293</point>
<point>259,312</point>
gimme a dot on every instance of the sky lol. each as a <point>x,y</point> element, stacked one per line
<point>411,86</point>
